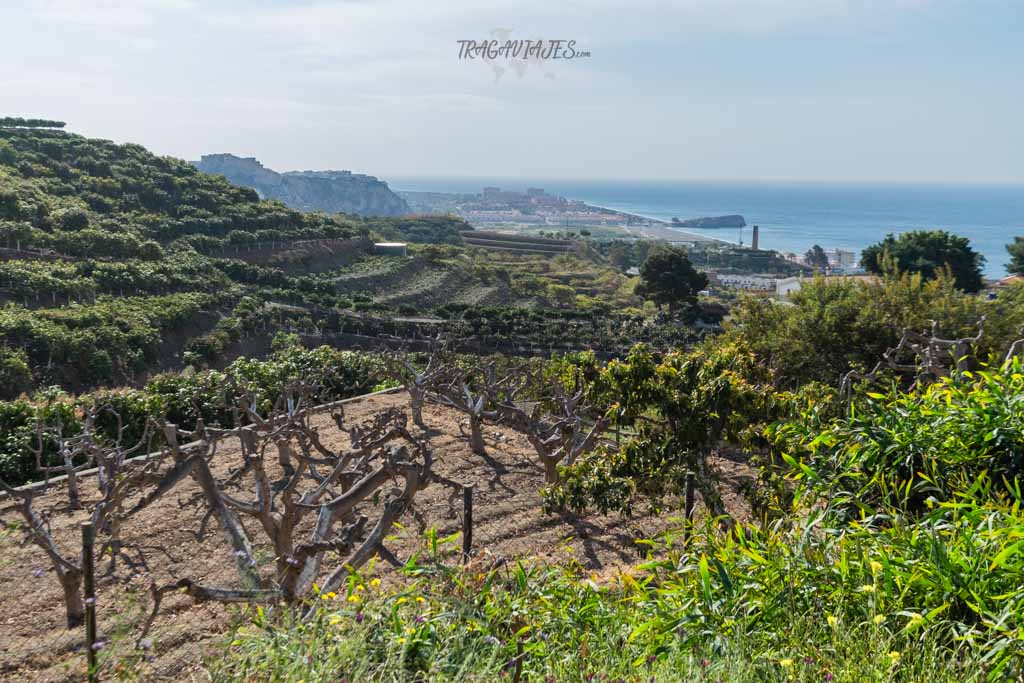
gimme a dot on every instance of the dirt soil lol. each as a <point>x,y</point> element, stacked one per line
<point>161,541</point>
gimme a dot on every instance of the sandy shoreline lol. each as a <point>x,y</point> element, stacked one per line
<point>661,231</point>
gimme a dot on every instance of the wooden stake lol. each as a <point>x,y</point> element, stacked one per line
<point>89,580</point>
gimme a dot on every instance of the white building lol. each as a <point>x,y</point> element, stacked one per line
<point>754,282</point>
<point>842,260</point>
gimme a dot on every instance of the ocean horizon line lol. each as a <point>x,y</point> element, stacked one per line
<point>531,180</point>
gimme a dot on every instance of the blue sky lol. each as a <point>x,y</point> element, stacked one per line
<point>823,90</point>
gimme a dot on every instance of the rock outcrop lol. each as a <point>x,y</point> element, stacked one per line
<point>731,221</point>
<point>331,191</point>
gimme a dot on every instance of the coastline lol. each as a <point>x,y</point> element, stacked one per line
<point>660,231</point>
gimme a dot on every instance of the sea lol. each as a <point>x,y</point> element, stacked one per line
<point>793,216</point>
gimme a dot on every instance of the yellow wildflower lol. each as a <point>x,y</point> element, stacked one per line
<point>786,663</point>
<point>374,583</point>
<point>420,598</point>
<point>401,600</point>
<point>867,588</point>
<point>879,619</point>
<point>354,598</point>
<point>401,641</point>
<point>894,656</point>
<point>876,566</point>
<point>832,621</point>
<point>334,621</point>
<point>329,596</point>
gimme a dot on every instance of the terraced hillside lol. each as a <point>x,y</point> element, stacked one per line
<point>116,261</point>
<point>522,244</point>
<point>116,265</point>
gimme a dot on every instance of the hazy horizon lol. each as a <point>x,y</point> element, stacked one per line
<point>918,91</point>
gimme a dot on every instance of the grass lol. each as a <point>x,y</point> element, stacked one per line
<point>672,619</point>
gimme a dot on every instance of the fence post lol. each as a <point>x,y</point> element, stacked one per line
<point>89,580</point>
<point>689,503</point>
<point>467,521</point>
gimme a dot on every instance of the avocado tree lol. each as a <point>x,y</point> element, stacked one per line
<point>927,252</point>
<point>680,408</point>
<point>669,279</point>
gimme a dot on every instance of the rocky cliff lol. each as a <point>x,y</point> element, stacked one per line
<point>731,221</point>
<point>331,191</point>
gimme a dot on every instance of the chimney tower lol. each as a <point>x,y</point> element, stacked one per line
<point>753,241</point>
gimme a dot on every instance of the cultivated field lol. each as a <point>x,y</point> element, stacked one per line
<point>161,540</point>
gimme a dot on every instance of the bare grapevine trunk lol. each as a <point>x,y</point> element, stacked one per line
<point>476,435</point>
<point>550,469</point>
<point>71,582</point>
<point>74,499</point>
<point>416,404</point>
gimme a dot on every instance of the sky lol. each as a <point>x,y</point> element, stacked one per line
<point>811,90</point>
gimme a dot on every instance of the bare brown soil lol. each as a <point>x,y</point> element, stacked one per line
<point>508,522</point>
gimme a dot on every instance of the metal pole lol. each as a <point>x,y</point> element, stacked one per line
<point>467,521</point>
<point>89,580</point>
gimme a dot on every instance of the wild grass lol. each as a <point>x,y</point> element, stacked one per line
<point>792,604</point>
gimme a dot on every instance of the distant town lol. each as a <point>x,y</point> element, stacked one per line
<point>537,212</point>
<point>534,207</point>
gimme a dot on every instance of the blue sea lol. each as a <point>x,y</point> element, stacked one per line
<point>795,216</point>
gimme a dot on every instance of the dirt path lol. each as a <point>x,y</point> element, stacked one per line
<point>508,522</point>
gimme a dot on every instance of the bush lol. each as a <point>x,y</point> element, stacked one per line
<point>903,453</point>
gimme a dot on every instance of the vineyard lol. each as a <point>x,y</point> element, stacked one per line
<point>157,544</point>
<point>236,444</point>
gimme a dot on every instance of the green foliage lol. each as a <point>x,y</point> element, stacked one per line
<point>678,409</point>
<point>422,229</point>
<point>900,559</point>
<point>927,252</point>
<point>15,373</point>
<point>817,258</point>
<point>793,603</point>
<point>113,241</point>
<point>17,433</point>
<point>898,453</point>
<point>1016,251</point>
<point>669,279</point>
<point>98,343</point>
<point>19,122</point>
<point>838,324</point>
<point>182,398</point>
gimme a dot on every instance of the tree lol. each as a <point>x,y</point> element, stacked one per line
<point>816,257</point>
<point>669,279</point>
<point>927,252</point>
<point>620,255</point>
<point>1016,265</point>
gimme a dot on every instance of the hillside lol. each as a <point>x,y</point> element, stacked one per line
<point>656,495</point>
<point>115,263</point>
<point>330,191</point>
